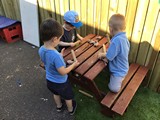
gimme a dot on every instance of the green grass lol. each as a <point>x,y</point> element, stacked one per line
<point>145,105</point>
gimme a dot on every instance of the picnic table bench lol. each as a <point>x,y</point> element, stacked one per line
<point>90,66</point>
<point>118,102</point>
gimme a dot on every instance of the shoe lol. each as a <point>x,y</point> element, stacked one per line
<point>63,105</point>
<point>74,107</point>
<point>59,109</point>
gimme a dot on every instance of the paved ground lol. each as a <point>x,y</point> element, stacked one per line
<point>23,92</point>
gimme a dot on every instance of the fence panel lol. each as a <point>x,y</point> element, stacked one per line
<point>142,24</point>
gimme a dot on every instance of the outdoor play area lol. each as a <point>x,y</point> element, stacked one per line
<point>23,91</point>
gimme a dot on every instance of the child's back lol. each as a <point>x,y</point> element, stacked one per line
<point>56,70</point>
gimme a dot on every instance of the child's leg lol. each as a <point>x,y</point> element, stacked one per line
<point>115,83</point>
<point>57,99</point>
<point>72,105</point>
<point>69,105</point>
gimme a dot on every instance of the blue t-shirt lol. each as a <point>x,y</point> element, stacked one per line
<point>117,55</point>
<point>52,60</point>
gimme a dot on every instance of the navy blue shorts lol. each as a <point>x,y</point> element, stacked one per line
<point>62,89</point>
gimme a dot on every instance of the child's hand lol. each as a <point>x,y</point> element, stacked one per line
<point>75,43</point>
<point>101,55</point>
<point>76,64</point>
<point>62,51</point>
<point>72,44</point>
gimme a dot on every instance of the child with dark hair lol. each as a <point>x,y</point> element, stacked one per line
<point>117,53</point>
<point>56,70</point>
<point>69,38</point>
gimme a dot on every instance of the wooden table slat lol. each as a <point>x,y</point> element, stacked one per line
<point>80,50</point>
<point>111,97</point>
<point>83,57</point>
<point>83,68</point>
<point>95,70</point>
<point>127,95</point>
<point>68,50</point>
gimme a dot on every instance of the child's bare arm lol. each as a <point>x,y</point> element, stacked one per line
<point>79,37</point>
<point>63,71</point>
<point>65,43</point>
<point>101,55</point>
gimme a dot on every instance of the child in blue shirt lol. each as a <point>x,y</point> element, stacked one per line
<point>56,70</point>
<point>117,53</point>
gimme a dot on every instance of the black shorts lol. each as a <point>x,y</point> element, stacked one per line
<point>62,89</point>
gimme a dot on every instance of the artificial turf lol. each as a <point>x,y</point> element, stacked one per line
<point>145,105</point>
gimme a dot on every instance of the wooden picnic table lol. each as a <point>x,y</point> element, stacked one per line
<point>90,66</point>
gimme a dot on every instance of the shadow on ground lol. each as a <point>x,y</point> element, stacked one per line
<point>23,92</point>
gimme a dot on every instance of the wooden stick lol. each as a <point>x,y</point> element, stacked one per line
<point>104,48</point>
<point>85,93</point>
<point>73,55</point>
<point>77,42</point>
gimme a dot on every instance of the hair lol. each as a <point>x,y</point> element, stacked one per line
<point>117,22</point>
<point>68,23</point>
<point>50,28</point>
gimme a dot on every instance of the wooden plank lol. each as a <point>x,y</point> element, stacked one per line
<point>83,17</point>
<point>53,9</point>
<point>73,55</point>
<point>41,11</point>
<point>147,32</point>
<point>138,29</point>
<point>151,63</point>
<point>61,2</point>
<point>97,14</point>
<point>2,13</point>
<point>112,9</point>
<point>122,6</point>
<point>8,6</point>
<point>58,12</point>
<point>158,90</point>
<point>155,44</point>
<point>95,70</point>
<point>155,78</point>
<point>46,9</point>
<point>88,63</point>
<point>72,4</point>
<point>127,95</point>
<point>66,5</point>
<point>68,50</point>
<point>104,17</point>
<point>86,50</point>
<point>110,98</point>
<point>84,56</point>
<point>17,9</point>
<point>130,16</point>
<point>78,10</point>
<point>90,16</point>
<point>81,49</point>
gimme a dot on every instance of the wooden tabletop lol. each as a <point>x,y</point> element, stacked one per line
<point>90,66</point>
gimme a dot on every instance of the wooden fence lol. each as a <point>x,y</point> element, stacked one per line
<point>142,18</point>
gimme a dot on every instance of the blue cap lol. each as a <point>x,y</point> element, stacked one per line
<point>72,18</point>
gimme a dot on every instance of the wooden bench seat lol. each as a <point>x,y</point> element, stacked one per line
<point>118,102</point>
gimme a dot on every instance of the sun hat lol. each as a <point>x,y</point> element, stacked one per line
<point>72,18</point>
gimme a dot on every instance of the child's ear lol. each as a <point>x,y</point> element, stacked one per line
<point>53,39</point>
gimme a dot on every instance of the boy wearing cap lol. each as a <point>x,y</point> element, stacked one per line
<point>69,38</point>
<point>56,70</point>
<point>117,53</point>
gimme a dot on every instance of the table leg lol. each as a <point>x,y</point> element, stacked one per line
<point>94,89</point>
<point>87,84</point>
